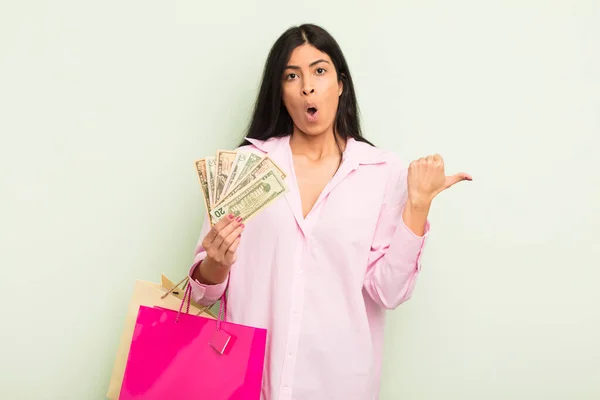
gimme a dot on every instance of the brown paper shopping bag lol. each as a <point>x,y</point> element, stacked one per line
<point>167,295</point>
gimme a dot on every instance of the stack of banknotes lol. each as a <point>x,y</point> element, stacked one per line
<point>241,183</point>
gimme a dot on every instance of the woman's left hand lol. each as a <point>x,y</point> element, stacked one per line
<point>427,178</point>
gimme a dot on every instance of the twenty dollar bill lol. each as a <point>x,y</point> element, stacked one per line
<point>266,164</point>
<point>252,198</point>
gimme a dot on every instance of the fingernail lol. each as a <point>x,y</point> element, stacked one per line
<point>230,216</point>
<point>238,219</point>
<point>242,225</point>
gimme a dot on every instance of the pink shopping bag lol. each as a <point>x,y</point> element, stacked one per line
<point>176,355</point>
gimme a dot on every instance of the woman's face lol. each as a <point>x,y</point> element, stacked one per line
<point>311,90</point>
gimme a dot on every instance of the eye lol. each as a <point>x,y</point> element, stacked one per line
<point>291,76</point>
<point>320,71</point>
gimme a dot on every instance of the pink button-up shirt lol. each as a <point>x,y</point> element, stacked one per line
<point>320,285</point>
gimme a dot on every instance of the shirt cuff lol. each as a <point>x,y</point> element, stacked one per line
<point>202,293</point>
<point>406,246</point>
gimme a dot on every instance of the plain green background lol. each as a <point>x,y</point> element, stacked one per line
<point>104,106</point>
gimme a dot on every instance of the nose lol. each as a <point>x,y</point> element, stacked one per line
<point>308,88</point>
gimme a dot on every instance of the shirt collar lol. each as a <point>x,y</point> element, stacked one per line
<point>358,152</point>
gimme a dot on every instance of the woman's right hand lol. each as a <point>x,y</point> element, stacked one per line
<point>220,244</point>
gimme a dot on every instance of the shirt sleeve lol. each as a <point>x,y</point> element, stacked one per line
<point>394,260</point>
<point>202,294</point>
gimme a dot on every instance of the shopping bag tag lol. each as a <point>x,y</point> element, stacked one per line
<point>220,340</point>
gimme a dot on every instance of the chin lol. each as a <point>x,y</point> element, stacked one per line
<point>315,129</point>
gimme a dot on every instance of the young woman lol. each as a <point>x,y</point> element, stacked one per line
<point>319,267</point>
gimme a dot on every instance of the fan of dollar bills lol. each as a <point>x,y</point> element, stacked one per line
<point>239,182</point>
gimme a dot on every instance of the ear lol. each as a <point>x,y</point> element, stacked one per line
<point>341,84</point>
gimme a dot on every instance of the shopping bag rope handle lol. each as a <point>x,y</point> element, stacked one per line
<point>176,286</point>
<point>187,298</point>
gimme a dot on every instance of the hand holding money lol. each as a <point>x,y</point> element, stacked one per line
<point>221,244</point>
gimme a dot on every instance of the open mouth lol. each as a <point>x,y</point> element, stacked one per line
<point>312,113</point>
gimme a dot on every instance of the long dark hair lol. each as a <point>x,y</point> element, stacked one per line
<point>270,117</point>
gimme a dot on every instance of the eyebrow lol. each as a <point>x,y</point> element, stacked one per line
<point>311,64</point>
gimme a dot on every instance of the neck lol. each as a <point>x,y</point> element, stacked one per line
<point>316,147</point>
